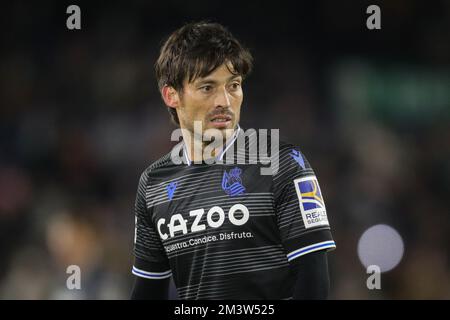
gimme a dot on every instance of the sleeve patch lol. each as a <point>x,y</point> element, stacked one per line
<point>311,202</point>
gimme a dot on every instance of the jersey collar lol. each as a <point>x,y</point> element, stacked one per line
<point>229,143</point>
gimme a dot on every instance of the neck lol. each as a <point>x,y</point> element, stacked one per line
<point>196,146</point>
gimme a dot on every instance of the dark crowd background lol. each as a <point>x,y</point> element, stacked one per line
<point>81,117</point>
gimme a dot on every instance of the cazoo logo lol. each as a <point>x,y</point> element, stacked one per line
<point>214,218</point>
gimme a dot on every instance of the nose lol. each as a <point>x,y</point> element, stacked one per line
<point>222,98</point>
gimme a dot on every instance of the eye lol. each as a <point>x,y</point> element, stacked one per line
<point>235,86</point>
<point>206,89</point>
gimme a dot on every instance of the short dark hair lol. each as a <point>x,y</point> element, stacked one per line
<point>196,50</point>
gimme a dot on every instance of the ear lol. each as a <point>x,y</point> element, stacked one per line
<point>170,96</point>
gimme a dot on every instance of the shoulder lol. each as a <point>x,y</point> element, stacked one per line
<point>286,148</point>
<point>291,161</point>
<point>163,162</point>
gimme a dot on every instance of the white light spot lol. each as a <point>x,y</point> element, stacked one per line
<point>381,245</point>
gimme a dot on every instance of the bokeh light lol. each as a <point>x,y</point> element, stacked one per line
<point>381,245</point>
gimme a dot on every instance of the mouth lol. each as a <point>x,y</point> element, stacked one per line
<point>221,121</point>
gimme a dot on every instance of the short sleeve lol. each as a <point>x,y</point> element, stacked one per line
<point>150,258</point>
<point>299,205</point>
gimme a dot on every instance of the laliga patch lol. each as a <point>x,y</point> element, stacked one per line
<point>311,202</point>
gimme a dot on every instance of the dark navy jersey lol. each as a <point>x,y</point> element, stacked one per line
<point>225,230</point>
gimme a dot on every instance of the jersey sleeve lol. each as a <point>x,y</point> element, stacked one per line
<point>150,261</point>
<point>300,209</point>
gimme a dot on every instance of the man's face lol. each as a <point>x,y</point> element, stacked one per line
<point>215,100</point>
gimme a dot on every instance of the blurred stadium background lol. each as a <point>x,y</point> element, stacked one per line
<point>81,117</point>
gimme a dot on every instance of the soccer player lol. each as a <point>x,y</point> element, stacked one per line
<point>221,230</point>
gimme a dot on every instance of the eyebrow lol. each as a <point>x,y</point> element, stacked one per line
<point>211,81</point>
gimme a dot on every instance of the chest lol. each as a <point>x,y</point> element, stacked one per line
<point>209,200</point>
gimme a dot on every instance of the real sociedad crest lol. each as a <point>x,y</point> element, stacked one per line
<point>232,182</point>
